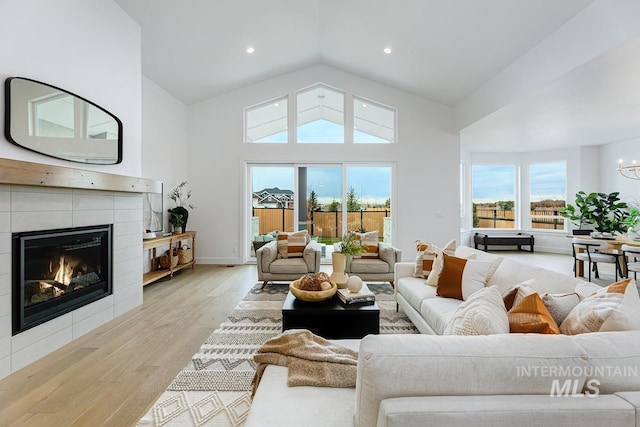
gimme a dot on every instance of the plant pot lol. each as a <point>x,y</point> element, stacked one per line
<point>177,230</point>
<point>339,263</point>
<point>181,210</point>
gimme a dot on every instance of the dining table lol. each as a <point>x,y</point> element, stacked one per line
<point>614,246</point>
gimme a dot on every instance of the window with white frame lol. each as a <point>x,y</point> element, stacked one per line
<point>267,122</point>
<point>373,123</point>
<point>320,116</point>
<point>494,196</point>
<point>547,194</point>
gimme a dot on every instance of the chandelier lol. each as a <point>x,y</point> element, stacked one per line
<point>631,171</point>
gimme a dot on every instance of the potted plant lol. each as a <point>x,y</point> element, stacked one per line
<point>180,196</point>
<point>632,221</point>
<point>605,211</point>
<point>349,246</point>
<point>176,220</point>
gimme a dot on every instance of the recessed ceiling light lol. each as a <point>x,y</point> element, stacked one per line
<point>387,50</point>
<point>276,104</point>
<point>364,105</point>
<point>250,49</point>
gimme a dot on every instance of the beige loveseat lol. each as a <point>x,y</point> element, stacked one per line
<point>494,380</point>
<point>379,269</point>
<point>273,268</point>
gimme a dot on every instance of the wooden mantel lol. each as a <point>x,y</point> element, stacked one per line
<point>18,172</point>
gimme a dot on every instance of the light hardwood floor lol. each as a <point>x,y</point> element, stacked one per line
<point>112,376</point>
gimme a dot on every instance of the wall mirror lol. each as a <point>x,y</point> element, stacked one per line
<point>57,123</point>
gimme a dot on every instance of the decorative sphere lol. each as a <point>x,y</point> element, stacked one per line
<point>354,284</point>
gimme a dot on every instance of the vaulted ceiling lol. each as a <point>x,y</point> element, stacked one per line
<point>449,51</point>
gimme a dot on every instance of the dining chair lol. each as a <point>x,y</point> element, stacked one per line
<point>631,259</point>
<point>590,251</point>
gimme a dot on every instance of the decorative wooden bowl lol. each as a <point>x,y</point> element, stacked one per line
<point>312,296</point>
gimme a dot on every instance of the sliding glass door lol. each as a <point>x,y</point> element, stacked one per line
<point>325,199</point>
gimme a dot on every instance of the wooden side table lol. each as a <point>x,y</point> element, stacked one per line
<point>172,241</point>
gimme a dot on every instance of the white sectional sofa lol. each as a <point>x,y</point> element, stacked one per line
<point>431,314</point>
<point>492,380</point>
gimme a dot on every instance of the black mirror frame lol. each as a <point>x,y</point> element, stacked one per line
<point>7,120</point>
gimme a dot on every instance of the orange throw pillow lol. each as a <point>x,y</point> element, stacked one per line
<point>531,316</point>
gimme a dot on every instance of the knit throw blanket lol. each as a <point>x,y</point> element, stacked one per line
<point>312,360</point>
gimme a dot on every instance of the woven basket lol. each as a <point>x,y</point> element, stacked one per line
<point>185,254</point>
<point>168,261</point>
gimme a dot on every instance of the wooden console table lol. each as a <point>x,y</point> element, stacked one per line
<point>172,241</point>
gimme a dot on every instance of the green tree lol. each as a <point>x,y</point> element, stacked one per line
<point>312,202</point>
<point>387,204</point>
<point>353,204</point>
<point>334,206</point>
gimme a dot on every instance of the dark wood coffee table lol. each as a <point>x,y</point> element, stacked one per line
<point>331,319</point>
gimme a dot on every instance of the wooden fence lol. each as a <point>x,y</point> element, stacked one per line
<point>498,218</point>
<point>322,223</point>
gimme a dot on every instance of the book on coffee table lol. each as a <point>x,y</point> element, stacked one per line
<point>363,296</point>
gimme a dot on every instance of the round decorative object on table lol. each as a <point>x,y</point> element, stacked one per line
<point>312,296</point>
<point>354,284</point>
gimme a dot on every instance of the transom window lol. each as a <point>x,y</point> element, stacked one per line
<point>267,122</point>
<point>373,122</point>
<point>320,118</point>
<point>320,115</point>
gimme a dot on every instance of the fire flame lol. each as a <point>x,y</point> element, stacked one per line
<point>64,273</point>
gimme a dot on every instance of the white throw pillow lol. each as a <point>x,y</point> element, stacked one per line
<point>483,313</point>
<point>586,289</point>
<point>436,268</point>
<point>613,308</point>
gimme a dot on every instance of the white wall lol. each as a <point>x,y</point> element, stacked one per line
<point>88,47</point>
<point>426,157</point>
<point>164,138</point>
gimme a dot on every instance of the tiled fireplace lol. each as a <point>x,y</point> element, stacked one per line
<point>58,271</point>
<point>25,209</point>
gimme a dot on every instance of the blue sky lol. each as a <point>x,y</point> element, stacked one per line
<point>371,184</point>
<point>493,183</point>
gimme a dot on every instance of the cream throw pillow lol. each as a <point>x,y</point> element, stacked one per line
<point>614,308</point>
<point>483,313</point>
<point>560,305</point>
<point>449,249</point>
<point>426,254</point>
<point>291,245</point>
<point>369,241</point>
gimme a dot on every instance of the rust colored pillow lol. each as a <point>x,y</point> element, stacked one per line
<point>531,316</point>
<point>461,277</point>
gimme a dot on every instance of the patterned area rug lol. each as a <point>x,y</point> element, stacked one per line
<point>214,388</point>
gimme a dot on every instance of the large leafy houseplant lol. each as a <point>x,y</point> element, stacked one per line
<point>605,211</point>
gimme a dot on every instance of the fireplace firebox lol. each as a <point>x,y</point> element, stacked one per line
<point>58,271</point>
